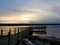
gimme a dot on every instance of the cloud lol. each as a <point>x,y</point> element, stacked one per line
<point>33,11</point>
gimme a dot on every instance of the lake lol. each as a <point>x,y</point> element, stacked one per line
<point>51,30</point>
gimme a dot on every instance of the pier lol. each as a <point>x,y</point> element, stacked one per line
<point>24,36</point>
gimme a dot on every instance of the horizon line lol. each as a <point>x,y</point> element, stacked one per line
<point>24,24</point>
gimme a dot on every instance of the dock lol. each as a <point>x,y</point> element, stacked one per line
<point>24,36</point>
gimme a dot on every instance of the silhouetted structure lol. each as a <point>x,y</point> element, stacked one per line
<point>28,31</point>
<point>9,37</point>
<point>1,33</point>
<point>39,29</point>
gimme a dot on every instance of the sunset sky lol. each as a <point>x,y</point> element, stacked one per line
<point>29,11</point>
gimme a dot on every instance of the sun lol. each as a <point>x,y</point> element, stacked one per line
<point>25,17</point>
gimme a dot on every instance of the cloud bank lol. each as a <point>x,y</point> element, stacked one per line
<point>30,11</point>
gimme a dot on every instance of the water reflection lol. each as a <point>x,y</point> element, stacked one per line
<point>13,29</point>
<point>51,30</point>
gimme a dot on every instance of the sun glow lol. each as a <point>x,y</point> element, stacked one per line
<point>25,17</point>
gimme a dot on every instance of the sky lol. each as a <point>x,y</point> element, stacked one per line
<point>30,11</point>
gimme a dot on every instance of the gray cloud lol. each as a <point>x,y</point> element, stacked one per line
<point>50,13</point>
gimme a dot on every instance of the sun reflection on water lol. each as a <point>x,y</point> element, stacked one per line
<point>6,29</point>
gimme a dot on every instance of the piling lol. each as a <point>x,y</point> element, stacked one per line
<point>14,30</point>
<point>1,33</point>
<point>9,37</point>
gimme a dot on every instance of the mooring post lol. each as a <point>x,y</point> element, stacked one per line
<point>45,30</point>
<point>9,37</point>
<point>18,35</point>
<point>31,30</point>
<point>1,33</point>
<point>14,30</point>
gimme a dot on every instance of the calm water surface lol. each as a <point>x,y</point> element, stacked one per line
<point>51,30</point>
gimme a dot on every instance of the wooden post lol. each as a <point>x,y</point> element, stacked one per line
<point>14,30</point>
<point>9,37</point>
<point>18,35</point>
<point>1,33</point>
<point>45,30</point>
<point>30,30</point>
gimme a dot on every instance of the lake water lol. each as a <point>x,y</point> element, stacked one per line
<point>6,29</point>
<point>51,30</point>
